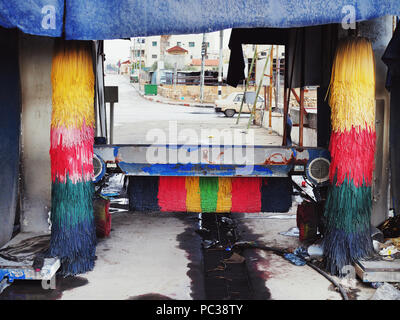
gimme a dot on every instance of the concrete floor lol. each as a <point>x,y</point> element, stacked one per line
<point>157,254</point>
<point>143,256</point>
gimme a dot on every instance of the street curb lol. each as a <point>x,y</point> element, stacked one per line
<point>173,102</point>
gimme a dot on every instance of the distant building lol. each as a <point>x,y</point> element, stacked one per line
<point>125,67</point>
<point>209,64</point>
<point>176,57</point>
<point>154,48</point>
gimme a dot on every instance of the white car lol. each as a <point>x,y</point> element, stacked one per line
<point>231,104</point>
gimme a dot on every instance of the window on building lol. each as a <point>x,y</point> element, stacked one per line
<point>191,44</point>
<point>154,43</point>
<point>179,43</point>
<point>154,56</point>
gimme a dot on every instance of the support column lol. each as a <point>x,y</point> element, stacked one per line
<point>379,31</point>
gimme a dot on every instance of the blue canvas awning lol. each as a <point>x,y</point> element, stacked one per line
<point>38,17</point>
<point>114,19</point>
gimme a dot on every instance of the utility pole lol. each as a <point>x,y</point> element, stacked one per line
<point>134,57</point>
<point>221,44</point>
<point>203,58</point>
<point>140,61</point>
<point>277,77</point>
<point>271,74</point>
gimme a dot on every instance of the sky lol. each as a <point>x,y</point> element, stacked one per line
<point>116,50</point>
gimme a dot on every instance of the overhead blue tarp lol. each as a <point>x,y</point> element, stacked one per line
<point>114,19</point>
<point>38,17</point>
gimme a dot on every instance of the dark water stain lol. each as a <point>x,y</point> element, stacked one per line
<point>150,296</point>
<point>216,277</point>
<point>253,258</point>
<point>190,242</point>
<point>32,289</point>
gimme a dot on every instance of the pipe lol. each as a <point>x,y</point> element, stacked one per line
<point>301,120</point>
<point>221,44</point>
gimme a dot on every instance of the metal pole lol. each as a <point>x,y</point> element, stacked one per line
<point>134,58</point>
<point>175,76</point>
<point>203,57</point>
<point>111,122</point>
<point>252,114</point>
<point>301,122</point>
<point>221,44</point>
<point>277,77</point>
<point>140,61</point>
<point>285,114</point>
<point>270,86</point>
<point>247,82</point>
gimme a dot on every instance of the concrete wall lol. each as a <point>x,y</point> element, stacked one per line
<point>35,67</point>
<point>192,93</point>
<point>379,32</point>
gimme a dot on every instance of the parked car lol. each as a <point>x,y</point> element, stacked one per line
<point>231,104</point>
<point>134,76</point>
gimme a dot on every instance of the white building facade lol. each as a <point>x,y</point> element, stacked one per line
<point>150,47</point>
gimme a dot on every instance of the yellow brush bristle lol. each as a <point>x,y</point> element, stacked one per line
<point>352,87</point>
<point>73,103</point>
<point>224,201</point>
<point>193,201</point>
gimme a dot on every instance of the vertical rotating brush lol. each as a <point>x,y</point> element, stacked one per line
<point>352,146</point>
<point>73,236</point>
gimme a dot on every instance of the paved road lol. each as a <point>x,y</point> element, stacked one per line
<point>138,120</point>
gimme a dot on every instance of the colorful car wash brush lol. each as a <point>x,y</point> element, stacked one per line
<point>352,147</point>
<point>209,194</point>
<point>73,235</point>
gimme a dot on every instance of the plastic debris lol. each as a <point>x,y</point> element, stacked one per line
<point>114,186</point>
<point>294,259</point>
<point>376,245</point>
<point>227,220</point>
<point>4,284</point>
<point>301,252</point>
<point>298,257</point>
<point>376,285</point>
<point>292,232</point>
<point>391,227</point>
<point>388,251</point>
<point>207,244</point>
<point>386,292</point>
<point>315,251</point>
<point>282,216</point>
<point>377,235</point>
<point>203,232</point>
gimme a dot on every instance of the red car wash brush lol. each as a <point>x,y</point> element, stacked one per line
<point>73,234</point>
<point>352,146</point>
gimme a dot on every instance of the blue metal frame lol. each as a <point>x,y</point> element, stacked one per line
<point>245,161</point>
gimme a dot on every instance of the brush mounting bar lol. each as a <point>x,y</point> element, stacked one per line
<point>214,160</point>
